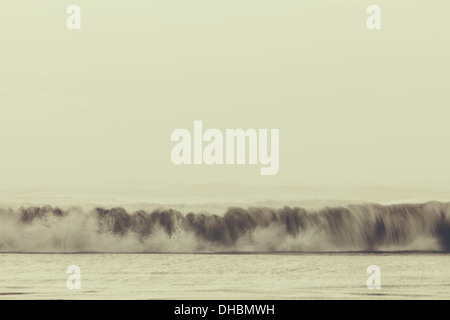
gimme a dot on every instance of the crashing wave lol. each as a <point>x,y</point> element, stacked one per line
<point>366,227</point>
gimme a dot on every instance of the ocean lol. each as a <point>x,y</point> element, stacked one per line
<point>219,250</point>
<point>225,276</point>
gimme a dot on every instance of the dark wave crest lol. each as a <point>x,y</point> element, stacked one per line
<point>368,227</point>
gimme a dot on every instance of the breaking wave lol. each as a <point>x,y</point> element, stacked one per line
<point>366,227</point>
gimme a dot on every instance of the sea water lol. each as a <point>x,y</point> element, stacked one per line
<point>225,276</point>
<point>197,249</point>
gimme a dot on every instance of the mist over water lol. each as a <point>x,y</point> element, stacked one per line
<point>360,227</point>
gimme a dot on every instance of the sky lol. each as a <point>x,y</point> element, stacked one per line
<point>98,105</point>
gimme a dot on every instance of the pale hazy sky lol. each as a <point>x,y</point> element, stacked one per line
<point>353,106</point>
